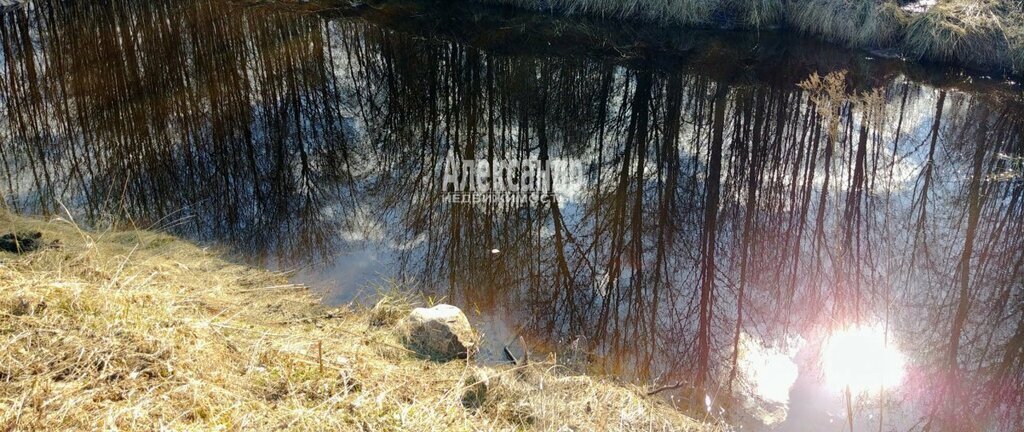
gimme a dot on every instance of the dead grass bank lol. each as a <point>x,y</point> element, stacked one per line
<point>138,330</point>
<point>984,34</point>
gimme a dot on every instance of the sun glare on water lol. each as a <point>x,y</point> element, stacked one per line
<point>859,358</point>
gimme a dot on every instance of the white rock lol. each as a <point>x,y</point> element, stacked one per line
<point>441,332</point>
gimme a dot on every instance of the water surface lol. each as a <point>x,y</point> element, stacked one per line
<point>718,203</point>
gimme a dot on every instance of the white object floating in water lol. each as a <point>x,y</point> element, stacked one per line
<point>495,251</point>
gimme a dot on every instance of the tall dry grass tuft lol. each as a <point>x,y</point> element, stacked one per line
<point>832,19</point>
<point>760,13</point>
<point>881,25</point>
<point>829,96</point>
<point>138,330</point>
<point>1016,43</point>
<point>862,23</point>
<point>972,32</point>
<point>693,12</point>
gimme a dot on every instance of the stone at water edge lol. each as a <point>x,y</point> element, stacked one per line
<point>442,333</point>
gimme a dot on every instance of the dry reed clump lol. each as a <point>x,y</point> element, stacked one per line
<point>882,25</point>
<point>136,330</point>
<point>830,18</point>
<point>829,96</point>
<point>760,13</point>
<point>863,23</point>
<point>1016,42</point>
<point>695,12</point>
<point>971,32</point>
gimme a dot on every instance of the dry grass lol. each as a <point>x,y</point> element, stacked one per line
<point>137,330</point>
<point>972,32</point>
<point>1016,43</point>
<point>828,18</point>
<point>979,33</point>
<point>863,23</point>
<point>882,25</point>
<point>760,13</point>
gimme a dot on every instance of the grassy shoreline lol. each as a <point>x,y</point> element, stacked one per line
<point>979,34</point>
<point>140,330</point>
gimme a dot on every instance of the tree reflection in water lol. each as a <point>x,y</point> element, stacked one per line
<point>720,199</point>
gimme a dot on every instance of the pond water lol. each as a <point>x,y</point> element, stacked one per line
<point>732,215</point>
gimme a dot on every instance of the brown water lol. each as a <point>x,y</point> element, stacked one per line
<point>716,201</point>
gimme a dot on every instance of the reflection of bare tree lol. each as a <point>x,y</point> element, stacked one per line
<point>127,128</point>
<point>710,208</point>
